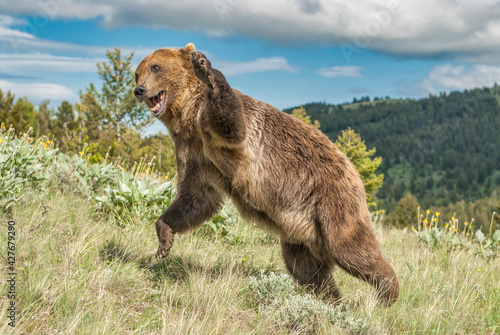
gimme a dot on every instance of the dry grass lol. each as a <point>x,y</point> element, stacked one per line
<point>81,274</point>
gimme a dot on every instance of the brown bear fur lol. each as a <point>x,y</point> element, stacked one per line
<point>279,172</point>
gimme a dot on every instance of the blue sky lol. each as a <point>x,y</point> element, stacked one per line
<point>286,53</point>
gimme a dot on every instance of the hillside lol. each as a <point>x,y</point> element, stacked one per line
<point>84,242</point>
<point>442,149</point>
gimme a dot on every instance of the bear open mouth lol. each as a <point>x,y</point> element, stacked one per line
<point>158,103</point>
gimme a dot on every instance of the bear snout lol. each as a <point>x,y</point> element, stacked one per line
<point>140,92</point>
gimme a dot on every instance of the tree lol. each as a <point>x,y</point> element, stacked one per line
<point>17,115</point>
<point>406,212</point>
<point>117,100</point>
<point>351,144</point>
<point>43,116</point>
<point>6,103</point>
<point>300,113</point>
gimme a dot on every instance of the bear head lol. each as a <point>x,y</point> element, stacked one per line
<point>165,78</point>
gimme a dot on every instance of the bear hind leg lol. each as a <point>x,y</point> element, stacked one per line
<point>362,258</point>
<point>308,270</point>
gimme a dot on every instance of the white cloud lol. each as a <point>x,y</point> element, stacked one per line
<point>39,91</point>
<point>28,63</point>
<point>9,21</point>
<point>460,29</point>
<point>232,68</point>
<point>459,77</point>
<point>340,71</point>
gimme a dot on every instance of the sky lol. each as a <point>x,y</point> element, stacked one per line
<point>286,53</point>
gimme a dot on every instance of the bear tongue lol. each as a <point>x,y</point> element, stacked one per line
<point>157,99</point>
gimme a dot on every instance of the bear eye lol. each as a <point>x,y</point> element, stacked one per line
<point>155,68</point>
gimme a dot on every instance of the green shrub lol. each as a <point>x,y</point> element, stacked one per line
<point>276,297</point>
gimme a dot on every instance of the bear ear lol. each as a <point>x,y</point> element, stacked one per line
<point>190,47</point>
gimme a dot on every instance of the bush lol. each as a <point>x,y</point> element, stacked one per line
<point>276,298</point>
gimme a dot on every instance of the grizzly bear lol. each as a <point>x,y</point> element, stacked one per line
<point>282,174</point>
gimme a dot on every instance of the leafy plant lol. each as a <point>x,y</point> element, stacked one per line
<point>133,195</point>
<point>453,236</point>
<point>219,225</point>
<point>21,164</point>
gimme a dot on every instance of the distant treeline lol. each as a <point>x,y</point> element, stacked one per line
<point>442,149</point>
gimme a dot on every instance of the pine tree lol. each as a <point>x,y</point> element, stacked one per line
<point>117,99</point>
<point>300,113</point>
<point>6,103</point>
<point>351,144</point>
<point>406,213</point>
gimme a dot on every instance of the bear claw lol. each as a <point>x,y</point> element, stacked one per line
<point>162,252</point>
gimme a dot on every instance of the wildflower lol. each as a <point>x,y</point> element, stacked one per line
<point>428,211</point>
<point>412,228</point>
<point>243,259</point>
<point>437,213</point>
<point>434,219</point>
<point>425,221</point>
<point>22,269</point>
<point>447,225</point>
<point>3,125</point>
<point>465,223</point>
<point>452,218</point>
<point>478,270</point>
<point>1,141</point>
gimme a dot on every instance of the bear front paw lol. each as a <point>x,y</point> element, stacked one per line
<point>163,250</point>
<point>202,67</point>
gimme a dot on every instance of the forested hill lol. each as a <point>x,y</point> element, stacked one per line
<point>441,149</point>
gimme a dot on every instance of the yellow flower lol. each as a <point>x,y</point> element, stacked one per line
<point>243,259</point>
<point>478,270</point>
<point>1,141</point>
<point>447,225</point>
<point>428,211</point>
<point>452,218</point>
<point>434,219</point>
<point>437,213</point>
<point>425,221</point>
<point>22,269</point>
<point>412,228</point>
<point>465,223</point>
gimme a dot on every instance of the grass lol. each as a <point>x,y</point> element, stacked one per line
<point>80,273</point>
